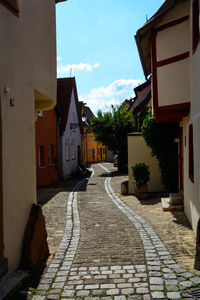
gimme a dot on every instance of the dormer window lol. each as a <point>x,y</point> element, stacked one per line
<point>195,25</point>
<point>12,5</point>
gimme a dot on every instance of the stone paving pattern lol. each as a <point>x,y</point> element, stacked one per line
<point>109,251</point>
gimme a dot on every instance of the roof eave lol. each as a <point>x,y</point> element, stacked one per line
<point>57,1</point>
<point>143,35</point>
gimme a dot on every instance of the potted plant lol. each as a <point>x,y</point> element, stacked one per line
<point>141,176</point>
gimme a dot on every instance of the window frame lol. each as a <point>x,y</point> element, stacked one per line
<point>73,149</point>
<point>41,157</point>
<point>51,155</point>
<point>67,149</point>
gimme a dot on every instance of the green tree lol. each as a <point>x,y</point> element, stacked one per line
<point>160,138</point>
<point>111,128</point>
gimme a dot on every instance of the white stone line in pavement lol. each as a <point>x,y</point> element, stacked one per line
<point>62,261</point>
<point>158,257</point>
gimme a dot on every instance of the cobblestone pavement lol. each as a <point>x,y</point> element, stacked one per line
<point>109,251</point>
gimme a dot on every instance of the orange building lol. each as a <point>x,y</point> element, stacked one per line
<point>95,150</point>
<point>46,148</point>
<point>92,151</point>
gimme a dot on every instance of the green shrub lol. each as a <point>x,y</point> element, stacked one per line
<point>140,173</point>
<point>160,138</point>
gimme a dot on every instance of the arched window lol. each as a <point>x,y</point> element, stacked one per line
<point>195,24</point>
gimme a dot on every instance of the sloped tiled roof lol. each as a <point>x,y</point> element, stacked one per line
<point>142,98</point>
<point>64,93</point>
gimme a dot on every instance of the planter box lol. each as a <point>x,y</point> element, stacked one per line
<point>142,191</point>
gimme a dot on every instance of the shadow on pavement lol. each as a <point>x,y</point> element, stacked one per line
<point>46,193</point>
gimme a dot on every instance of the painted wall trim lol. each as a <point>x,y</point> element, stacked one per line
<point>12,7</point>
<point>154,73</point>
<point>169,113</point>
<point>173,59</point>
<point>172,113</point>
<point>172,23</point>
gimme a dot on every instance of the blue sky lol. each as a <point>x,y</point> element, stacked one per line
<point>95,43</point>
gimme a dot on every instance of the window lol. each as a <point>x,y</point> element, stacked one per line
<point>191,154</point>
<point>51,155</point>
<point>41,157</point>
<point>40,113</point>
<point>73,148</point>
<point>67,149</point>
<point>12,5</point>
<point>195,24</point>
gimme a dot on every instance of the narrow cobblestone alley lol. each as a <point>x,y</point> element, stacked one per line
<point>109,251</point>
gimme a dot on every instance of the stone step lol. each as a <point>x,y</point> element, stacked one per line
<point>167,206</point>
<point>10,283</point>
<point>175,199</point>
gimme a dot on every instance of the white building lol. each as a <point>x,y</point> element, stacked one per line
<point>69,126</point>
<point>169,49</point>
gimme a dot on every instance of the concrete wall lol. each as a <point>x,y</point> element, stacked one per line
<point>27,64</point>
<point>138,151</point>
<point>70,165</point>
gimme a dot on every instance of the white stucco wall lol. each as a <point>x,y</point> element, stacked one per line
<point>138,151</point>
<point>27,63</point>
<point>173,78</point>
<point>69,166</point>
<point>173,41</point>
<point>192,190</point>
<point>180,10</point>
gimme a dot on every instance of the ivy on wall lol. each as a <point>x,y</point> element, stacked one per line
<point>160,138</point>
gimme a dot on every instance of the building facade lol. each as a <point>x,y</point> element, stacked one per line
<point>170,41</point>
<point>27,84</point>
<point>46,148</point>
<point>69,126</point>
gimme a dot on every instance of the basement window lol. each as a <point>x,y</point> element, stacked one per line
<point>195,24</point>
<point>191,154</point>
<point>12,5</point>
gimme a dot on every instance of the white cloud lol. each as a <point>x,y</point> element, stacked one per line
<point>115,93</point>
<point>99,104</point>
<point>117,87</point>
<point>63,70</point>
<point>59,58</point>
